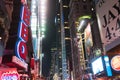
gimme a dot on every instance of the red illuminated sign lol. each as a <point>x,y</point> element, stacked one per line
<point>21,48</point>
<point>115,63</point>
<point>20,63</point>
<point>32,63</point>
<point>25,15</point>
<point>23,33</point>
<point>9,74</point>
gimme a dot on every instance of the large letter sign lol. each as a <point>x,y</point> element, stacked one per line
<point>21,48</point>
<point>23,33</point>
<point>26,15</point>
<point>108,14</point>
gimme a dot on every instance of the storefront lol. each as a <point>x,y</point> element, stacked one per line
<point>16,57</point>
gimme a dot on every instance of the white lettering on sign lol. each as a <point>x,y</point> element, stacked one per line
<point>11,75</point>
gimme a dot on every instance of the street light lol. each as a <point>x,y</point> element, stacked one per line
<point>43,11</point>
<point>83,22</point>
<point>42,17</point>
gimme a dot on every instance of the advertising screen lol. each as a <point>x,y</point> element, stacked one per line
<point>97,66</point>
<point>101,66</point>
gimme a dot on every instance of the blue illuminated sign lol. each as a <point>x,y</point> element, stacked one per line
<point>21,47</point>
<point>107,65</point>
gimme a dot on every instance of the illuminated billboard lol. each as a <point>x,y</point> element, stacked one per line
<point>97,66</point>
<point>9,74</point>
<point>21,48</point>
<point>101,66</point>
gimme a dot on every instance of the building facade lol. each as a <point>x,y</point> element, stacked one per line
<point>16,45</point>
<point>94,37</point>
<point>78,8</point>
<point>62,56</point>
<point>85,37</point>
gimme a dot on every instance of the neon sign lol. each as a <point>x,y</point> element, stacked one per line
<point>11,75</point>
<point>21,48</point>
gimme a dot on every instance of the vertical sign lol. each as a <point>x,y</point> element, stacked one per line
<point>107,66</point>
<point>88,39</point>
<point>21,48</point>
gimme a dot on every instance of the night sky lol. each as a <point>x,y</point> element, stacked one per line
<point>49,36</point>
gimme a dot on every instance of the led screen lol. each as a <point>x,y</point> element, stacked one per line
<point>97,66</point>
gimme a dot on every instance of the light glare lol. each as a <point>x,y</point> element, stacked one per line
<point>43,4</point>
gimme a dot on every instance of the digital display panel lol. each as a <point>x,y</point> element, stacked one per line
<point>97,66</point>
